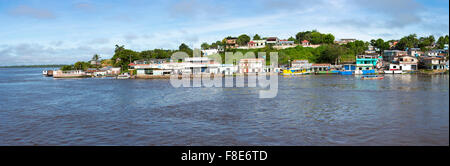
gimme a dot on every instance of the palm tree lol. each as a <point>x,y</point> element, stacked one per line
<point>95,58</point>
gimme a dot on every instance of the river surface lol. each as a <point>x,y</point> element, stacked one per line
<point>308,110</point>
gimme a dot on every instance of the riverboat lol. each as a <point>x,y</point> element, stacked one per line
<point>372,77</point>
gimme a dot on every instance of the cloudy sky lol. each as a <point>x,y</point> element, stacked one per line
<point>63,32</point>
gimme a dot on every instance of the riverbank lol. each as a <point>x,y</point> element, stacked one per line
<point>196,75</point>
<point>433,72</point>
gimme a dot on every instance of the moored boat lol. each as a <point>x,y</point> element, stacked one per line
<point>372,77</point>
<point>123,76</point>
<point>393,71</point>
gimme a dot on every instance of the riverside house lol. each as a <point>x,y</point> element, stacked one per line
<point>192,65</point>
<point>389,55</point>
<point>231,42</point>
<point>415,52</point>
<point>251,65</point>
<point>407,63</point>
<point>366,64</point>
<point>302,64</point>
<point>257,44</point>
<point>305,43</point>
<point>286,43</point>
<point>272,40</point>
<point>69,74</point>
<point>319,67</point>
<point>434,63</point>
<point>210,51</point>
<point>228,69</point>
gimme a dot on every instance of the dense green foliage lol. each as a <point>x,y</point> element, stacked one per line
<point>380,44</point>
<point>357,48</point>
<point>441,41</point>
<point>256,37</point>
<point>243,40</point>
<point>315,37</point>
<point>328,53</point>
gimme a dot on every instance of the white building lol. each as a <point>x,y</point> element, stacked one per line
<point>228,69</point>
<point>408,63</point>
<point>252,65</point>
<point>191,65</point>
<point>257,44</point>
<point>210,52</point>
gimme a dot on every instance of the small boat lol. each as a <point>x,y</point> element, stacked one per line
<point>48,73</point>
<point>123,76</point>
<point>371,77</point>
<point>393,71</point>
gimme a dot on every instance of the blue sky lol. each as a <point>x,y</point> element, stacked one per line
<point>63,32</point>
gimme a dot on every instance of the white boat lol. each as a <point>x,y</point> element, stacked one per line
<point>393,72</point>
<point>123,76</point>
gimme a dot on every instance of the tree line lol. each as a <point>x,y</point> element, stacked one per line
<point>328,52</point>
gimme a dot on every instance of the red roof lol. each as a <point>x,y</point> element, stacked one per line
<point>305,41</point>
<point>131,64</point>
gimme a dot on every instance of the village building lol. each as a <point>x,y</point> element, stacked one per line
<point>272,40</point>
<point>94,62</point>
<point>191,65</point>
<point>434,63</point>
<point>305,43</point>
<point>415,52</point>
<point>228,69</point>
<point>320,67</point>
<point>345,41</point>
<point>68,74</point>
<point>113,71</point>
<point>257,44</point>
<point>389,55</point>
<point>408,63</point>
<point>231,42</point>
<point>208,52</point>
<point>301,64</point>
<point>437,52</point>
<point>366,64</point>
<point>252,65</point>
<point>392,44</point>
<point>286,43</point>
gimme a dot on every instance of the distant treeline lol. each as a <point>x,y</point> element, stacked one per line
<point>33,66</point>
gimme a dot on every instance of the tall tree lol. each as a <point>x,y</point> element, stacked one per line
<point>243,39</point>
<point>409,41</point>
<point>316,38</point>
<point>328,39</point>
<point>205,46</point>
<point>357,47</point>
<point>256,37</point>
<point>442,41</point>
<point>185,48</point>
